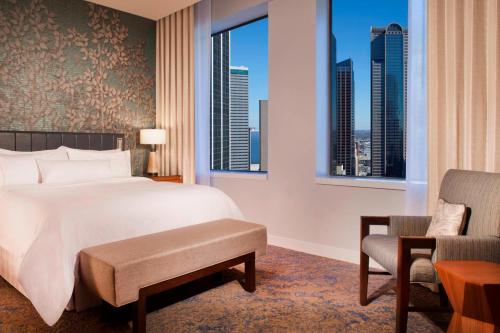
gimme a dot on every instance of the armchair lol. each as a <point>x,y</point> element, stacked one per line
<point>408,255</point>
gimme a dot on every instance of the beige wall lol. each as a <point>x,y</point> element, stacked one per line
<point>299,213</point>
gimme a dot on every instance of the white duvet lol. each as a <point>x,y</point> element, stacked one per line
<point>47,225</point>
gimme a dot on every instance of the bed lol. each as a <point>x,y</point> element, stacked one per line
<point>43,227</point>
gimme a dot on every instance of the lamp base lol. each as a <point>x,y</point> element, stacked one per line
<point>152,164</point>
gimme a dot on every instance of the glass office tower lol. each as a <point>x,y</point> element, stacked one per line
<point>219,127</point>
<point>389,54</point>
<point>345,119</point>
<point>333,105</point>
<point>239,153</point>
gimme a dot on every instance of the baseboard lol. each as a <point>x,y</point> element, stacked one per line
<point>322,250</point>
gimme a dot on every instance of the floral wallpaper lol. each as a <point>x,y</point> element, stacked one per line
<point>70,65</point>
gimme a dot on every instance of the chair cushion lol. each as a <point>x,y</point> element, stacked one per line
<point>384,250</point>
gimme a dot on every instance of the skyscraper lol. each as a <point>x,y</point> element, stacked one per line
<point>389,54</point>
<point>239,137</point>
<point>219,127</point>
<point>264,133</point>
<point>344,115</point>
<point>356,158</point>
<point>333,105</point>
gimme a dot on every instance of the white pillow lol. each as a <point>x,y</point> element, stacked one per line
<point>68,172</point>
<point>18,168</point>
<point>448,220</point>
<point>120,160</point>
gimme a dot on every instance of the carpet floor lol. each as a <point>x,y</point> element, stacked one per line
<point>296,292</point>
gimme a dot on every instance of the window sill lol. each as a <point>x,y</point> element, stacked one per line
<point>386,184</point>
<point>239,175</point>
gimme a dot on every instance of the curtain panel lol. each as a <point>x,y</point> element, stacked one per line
<point>463,88</point>
<point>175,93</point>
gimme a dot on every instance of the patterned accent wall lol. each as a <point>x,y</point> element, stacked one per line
<point>69,65</point>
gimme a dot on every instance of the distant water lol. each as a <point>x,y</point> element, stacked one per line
<point>255,147</point>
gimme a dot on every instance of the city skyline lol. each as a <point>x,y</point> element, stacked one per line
<point>369,47</point>
<point>383,153</point>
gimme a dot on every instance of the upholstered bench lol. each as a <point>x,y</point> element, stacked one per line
<point>130,270</point>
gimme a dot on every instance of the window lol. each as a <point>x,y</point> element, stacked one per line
<point>239,98</point>
<point>368,80</point>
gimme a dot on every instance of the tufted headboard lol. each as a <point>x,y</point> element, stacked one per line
<point>34,141</point>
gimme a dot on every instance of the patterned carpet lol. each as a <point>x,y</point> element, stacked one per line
<point>296,292</point>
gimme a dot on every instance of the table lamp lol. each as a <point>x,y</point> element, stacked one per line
<point>153,137</point>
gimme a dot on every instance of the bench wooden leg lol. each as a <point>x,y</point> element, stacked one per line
<point>139,315</point>
<point>250,273</point>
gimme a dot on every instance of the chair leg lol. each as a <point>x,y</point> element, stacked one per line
<point>403,299</point>
<point>403,287</point>
<point>363,278</point>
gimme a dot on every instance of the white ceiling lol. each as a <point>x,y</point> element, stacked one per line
<point>151,9</point>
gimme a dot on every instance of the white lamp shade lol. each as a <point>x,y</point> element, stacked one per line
<point>153,136</point>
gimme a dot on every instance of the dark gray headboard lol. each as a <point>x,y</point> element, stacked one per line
<point>34,141</point>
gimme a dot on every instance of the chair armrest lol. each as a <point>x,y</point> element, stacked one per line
<point>405,245</point>
<point>367,221</point>
<point>485,248</point>
<point>416,242</point>
<point>409,225</point>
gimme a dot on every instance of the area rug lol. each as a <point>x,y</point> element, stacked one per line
<point>296,292</point>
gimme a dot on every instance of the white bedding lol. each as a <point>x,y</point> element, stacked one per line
<point>47,225</point>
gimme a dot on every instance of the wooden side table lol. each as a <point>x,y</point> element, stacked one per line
<point>172,179</point>
<point>473,288</point>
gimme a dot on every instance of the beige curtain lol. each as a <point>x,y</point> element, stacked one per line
<point>175,93</point>
<point>463,88</point>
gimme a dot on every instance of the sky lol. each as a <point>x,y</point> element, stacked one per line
<point>249,45</point>
<point>351,20</point>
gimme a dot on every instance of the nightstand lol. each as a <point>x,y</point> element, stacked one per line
<point>172,179</point>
